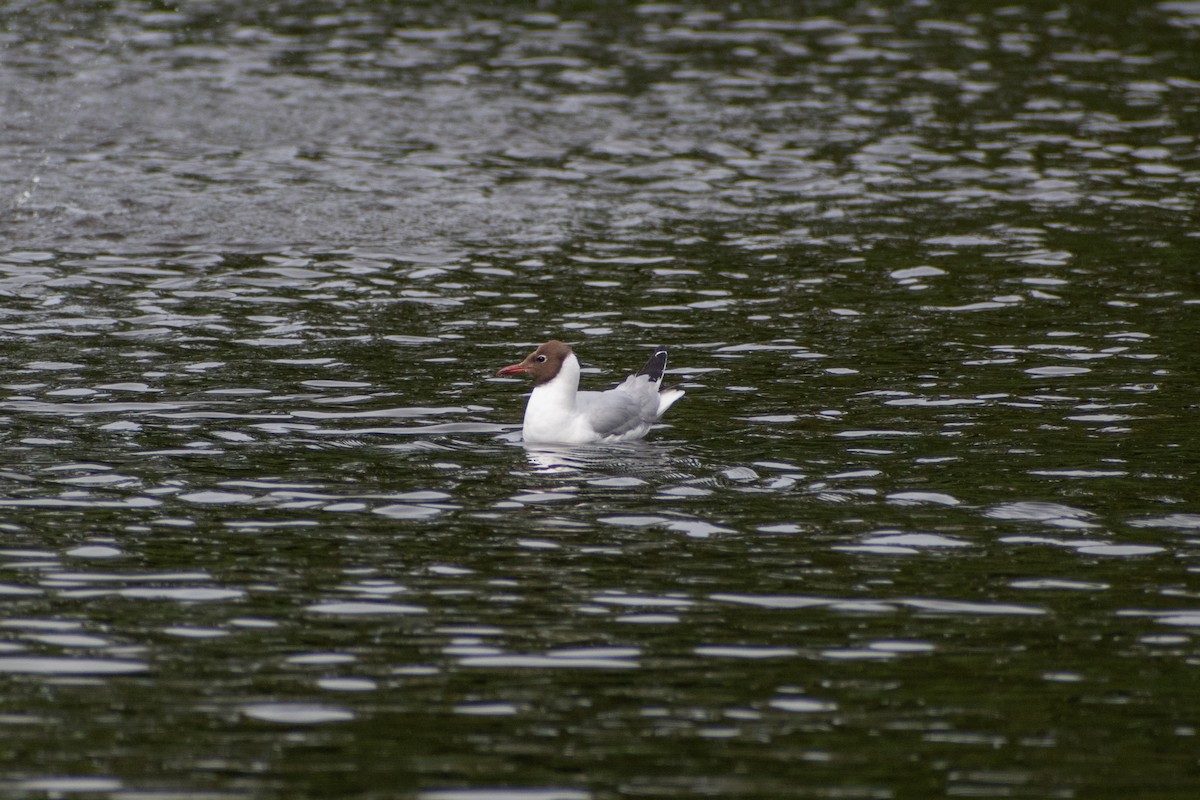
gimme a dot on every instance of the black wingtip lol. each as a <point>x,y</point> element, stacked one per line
<point>656,366</point>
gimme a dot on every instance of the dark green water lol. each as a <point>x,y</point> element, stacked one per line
<point>927,523</point>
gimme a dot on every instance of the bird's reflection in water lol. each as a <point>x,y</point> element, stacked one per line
<point>647,459</point>
<point>561,458</point>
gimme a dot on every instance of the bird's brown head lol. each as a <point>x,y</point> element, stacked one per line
<point>542,364</point>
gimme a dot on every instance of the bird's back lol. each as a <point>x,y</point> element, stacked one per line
<point>627,411</point>
<point>620,413</point>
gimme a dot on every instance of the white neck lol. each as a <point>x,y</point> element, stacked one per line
<point>552,405</point>
<point>561,389</point>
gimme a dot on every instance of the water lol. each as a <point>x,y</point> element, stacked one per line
<point>925,524</point>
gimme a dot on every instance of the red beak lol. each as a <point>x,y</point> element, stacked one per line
<point>512,369</point>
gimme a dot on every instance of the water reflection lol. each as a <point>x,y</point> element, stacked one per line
<point>927,512</point>
<point>534,129</point>
<point>635,457</point>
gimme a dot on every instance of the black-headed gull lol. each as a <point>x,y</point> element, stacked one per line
<point>559,413</point>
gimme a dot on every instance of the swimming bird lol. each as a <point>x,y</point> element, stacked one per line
<point>557,412</point>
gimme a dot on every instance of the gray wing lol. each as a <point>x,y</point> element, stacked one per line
<point>631,405</point>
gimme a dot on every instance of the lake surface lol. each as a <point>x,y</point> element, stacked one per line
<point>927,523</point>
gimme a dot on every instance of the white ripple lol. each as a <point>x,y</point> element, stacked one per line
<point>750,652</point>
<point>802,705</point>
<point>961,607</point>
<point>868,434</point>
<point>213,497</point>
<point>68,784</point>
<point>534,661</point>
<point>297,713</point>
<point>69,666</point>
<point>1056,372</point>
<point>915,540</point>
<point>781,601</point>
<point>187,594</point>
<point>1055,514</point>
<point>916,498</point>
<point>1183,522</point>
<point>360,608</point>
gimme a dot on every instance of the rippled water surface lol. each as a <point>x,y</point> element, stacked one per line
<point>926,524</point>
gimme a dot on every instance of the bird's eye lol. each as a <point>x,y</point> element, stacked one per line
<point>541,358</point>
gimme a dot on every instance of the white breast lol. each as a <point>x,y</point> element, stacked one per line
<point>552,413</point>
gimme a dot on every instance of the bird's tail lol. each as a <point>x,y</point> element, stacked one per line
<point>666,398</point>
<point>656,366</point>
